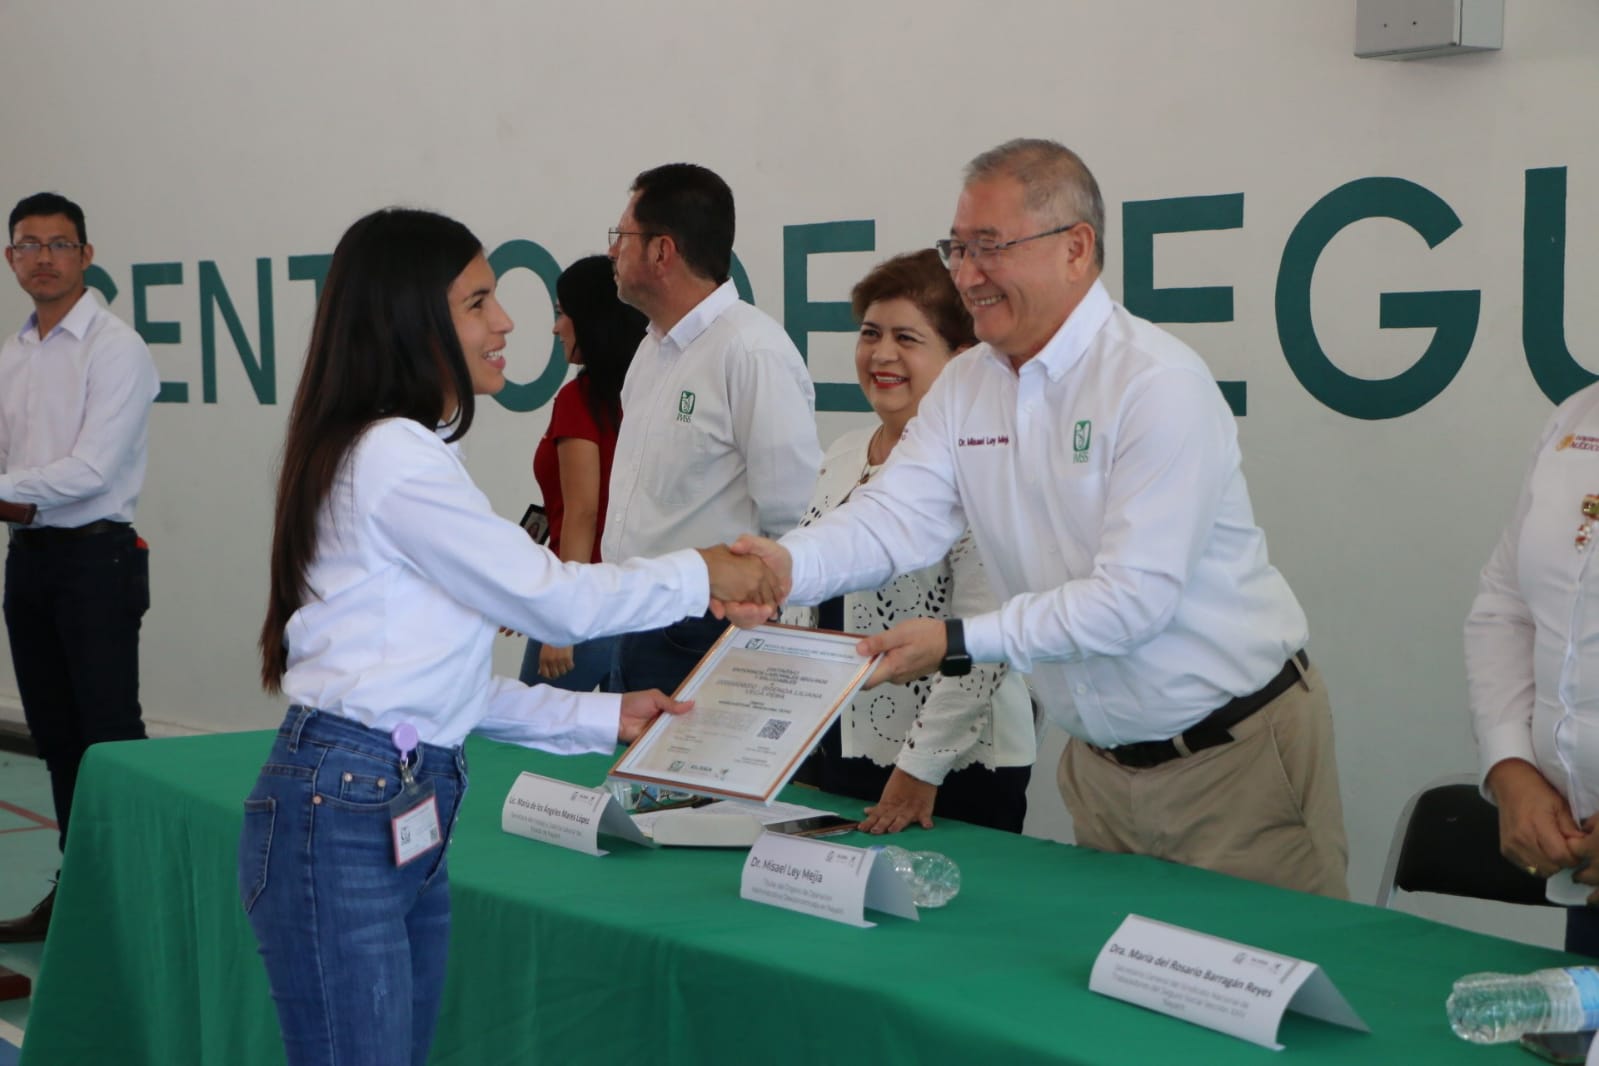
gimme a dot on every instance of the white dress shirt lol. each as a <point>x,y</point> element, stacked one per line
<point>414,573</point>
<point>719,434</point>
<point>1532,638</point>
<point>75,416</point>
<point>933,725</point>
<point>1103,486</point>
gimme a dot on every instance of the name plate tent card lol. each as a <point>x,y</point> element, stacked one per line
<point>1220,984</point>
<point>825,880</point>
<point>566,815</point>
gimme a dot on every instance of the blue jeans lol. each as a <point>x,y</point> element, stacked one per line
<point>591,665</point>
<point>354,945</point>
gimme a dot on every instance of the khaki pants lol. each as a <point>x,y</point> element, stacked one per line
<point>1264,807</point>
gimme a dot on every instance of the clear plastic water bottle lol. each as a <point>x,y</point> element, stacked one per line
<point>934,879</point>
<point>1496,1008</point>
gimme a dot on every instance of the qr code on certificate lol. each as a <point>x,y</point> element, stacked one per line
<point>773,729</point>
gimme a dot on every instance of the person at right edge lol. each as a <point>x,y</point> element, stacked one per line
<point>1533,670</point>
<point>718,432</point>
<point>1098,467</point>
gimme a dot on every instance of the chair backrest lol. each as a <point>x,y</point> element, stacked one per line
<point>1447,841</point>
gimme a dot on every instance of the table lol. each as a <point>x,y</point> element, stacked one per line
<point>650,956</point>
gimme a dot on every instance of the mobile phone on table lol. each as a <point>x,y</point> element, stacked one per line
<point>819,825</point>
<point>537,523</point>
<point>1559,1047</point>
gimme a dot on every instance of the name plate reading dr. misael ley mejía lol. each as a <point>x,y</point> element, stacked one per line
<point>566,815</point>
<point>1222,985</point>
<point>825,880</point>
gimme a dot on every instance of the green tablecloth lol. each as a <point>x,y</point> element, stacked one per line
<point>650,956</point>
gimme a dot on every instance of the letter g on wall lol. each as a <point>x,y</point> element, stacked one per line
<point>1453,314</point>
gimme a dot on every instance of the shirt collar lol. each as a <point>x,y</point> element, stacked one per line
<point>697,321</point>
<point>76,322</point>
<point>1063,351</point>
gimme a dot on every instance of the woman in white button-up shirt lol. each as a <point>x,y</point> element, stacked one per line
<point>390,576</point>
<point>1532,657</point>
<point>960,746</point>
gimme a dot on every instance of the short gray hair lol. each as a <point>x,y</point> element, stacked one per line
<point>1057,185</point>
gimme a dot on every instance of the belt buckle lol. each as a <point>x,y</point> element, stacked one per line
<point>1134,756</point>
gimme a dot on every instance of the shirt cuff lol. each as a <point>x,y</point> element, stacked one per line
<point>985,640</point>
<point>929,768</point>
<point>693,578</point>
<point>804,574</point>
<point>599,716</point>
<point>1512,740</point>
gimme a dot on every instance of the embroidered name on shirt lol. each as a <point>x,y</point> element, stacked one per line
<point>685,407</point>
<point>1579,441</point>
<point>980,442</point>
<point>1082,437</point>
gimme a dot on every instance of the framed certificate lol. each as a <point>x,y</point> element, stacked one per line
<point>762,699</point>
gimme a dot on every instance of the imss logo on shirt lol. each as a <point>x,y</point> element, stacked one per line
<point>1580,441</point>
<point>1082,436</point>
<point>685,407</point>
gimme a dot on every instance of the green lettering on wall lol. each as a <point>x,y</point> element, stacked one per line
<point>1543,286</point>
<point>803,316</point>
<point>146,276</point>
<point>741,279</point>
<point>213,298</point>
<point>526,255</point>
<point>1451,314</point>
<point>97,279</point>
<point>312,268</point>
<point>1141,220</point>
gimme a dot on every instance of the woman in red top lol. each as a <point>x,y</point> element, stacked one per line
<point>572,464</point>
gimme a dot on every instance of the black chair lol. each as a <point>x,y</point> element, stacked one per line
<point>1447,841</point>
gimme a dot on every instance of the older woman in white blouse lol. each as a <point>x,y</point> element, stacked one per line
<point>1532,657</point>
<point>960,747</point>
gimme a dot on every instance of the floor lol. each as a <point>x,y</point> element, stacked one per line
<point>28,862</point>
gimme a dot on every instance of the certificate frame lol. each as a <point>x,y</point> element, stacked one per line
<point>725,747</point>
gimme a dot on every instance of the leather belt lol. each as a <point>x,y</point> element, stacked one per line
<point>1213,730</point>
<point>52,534</point>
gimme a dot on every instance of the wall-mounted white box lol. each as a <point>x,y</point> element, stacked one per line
<point>1422,29</point>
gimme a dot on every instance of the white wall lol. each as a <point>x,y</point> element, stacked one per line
<point>226,132</point>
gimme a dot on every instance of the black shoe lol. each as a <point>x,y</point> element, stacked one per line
<point>31,926</point>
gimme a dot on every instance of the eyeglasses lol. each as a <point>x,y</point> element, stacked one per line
<point>29,249</point>
<point>953,251</point>
<point>613,235</point>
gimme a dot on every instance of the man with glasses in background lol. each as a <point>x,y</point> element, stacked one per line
<point>76,385</point>
<point>718,433</point>
<point>1098,466</point>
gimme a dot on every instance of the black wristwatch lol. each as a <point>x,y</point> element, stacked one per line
<point>956,662</point>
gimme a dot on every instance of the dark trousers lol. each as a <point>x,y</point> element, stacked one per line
<point>977,794</point>
<point>1582,931</point>
<point>73,608</point>
<point>662,658</point>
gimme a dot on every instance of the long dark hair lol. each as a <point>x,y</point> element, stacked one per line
<point>383,346</point>
<point>608,333</point>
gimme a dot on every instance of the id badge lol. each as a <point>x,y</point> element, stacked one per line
<point>414,823</point>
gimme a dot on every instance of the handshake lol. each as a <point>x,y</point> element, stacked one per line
<point>750,579</point>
